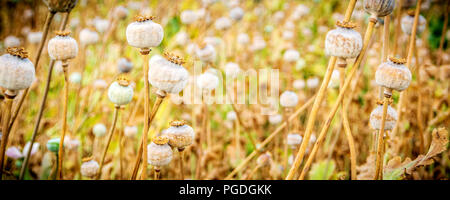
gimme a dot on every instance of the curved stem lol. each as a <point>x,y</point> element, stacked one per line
<point>331,114</point>
<point>398,29</point>
<point>380,143</point>
<point>269,139</point>
<point>5,130</point>
<point>110,134</point>
<point>155,108</point>
<point>181,151</point>
<point>146,114</point>
<point>25,92</point>
<point>65,66</point>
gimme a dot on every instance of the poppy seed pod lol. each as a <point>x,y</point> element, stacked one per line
<point>188,17</point>
<point>180,134</point>
<point>299,84</point>
<point>144,33</point>
<point>99,130</point>
<point>236,13</point>
<point>343,42</point>
<point>232,70</point>
<point>121,12</point>
<point>53,145</point>
<point>130,131</point>
<point>206,53</point>
<point>62,46</point>
<point>11,41</point>
<point>408,22</point>
<point>182,38</point>
<point>288,99</point>
<point>264,160</point>
<point>207,81</point>
<point>312,82</point>
<point>100,84</point>
<point>75,78</point>
<point>124,65</point>
<point>275,119</point>
<point>120,92</point>
<point>393,74</point>
<point>377,114</point>
<point>159,152</point>
<point>101,25</point>
<point>34,37</point>
<point>89,168</point>
<point>379,8</point>
<point>16,70</point>
<point>60,5</point>
<point>294,139</point>
<point>291,55</point>
<point>243,38</point>
<point>168,75</point>
<point>88,37</point>
<point>231,116</point>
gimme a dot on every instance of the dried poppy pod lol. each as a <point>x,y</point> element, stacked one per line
<point>408,22</point>
<point>231,116</point>
<point>168,75</point>
<point>89,168</point>
<point>291,56</point>
<point>275,119</point>
<point>144,33</point>
<point>393,74</point>
<point>53,145</point>
<point>124,65</point>
<point>11,41</point>
<point>288,99</point>
<point>180,134</point>
<point>207,81</point>
<point>16,70</point>
<point>376,115</point>
<point>243,38</point>
<point>159,152</point>
<point>299,84</point>
<point>188,17</point>
<point>236,13</point>
<point>130,131</point>
<point>232,70</point>
<point>60,5</point>
<point>99,130</point>
<point>206,52</point>
<point>120,92</point>
<point>88,37</point>
<point>101,25</point>
<point>34,37</point>
<point>379,8</point>
<point>121,12</point>
<point>343,42</point>
<point>264,159</point>
<point>62,46</point>
<point>294,139</point>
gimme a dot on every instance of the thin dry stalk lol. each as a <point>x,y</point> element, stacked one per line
<point>65,66</point>
<point>444,32</point>
<point>110,134</point>
<point>269,139</point>
<point>331,114</point>
<point>317,103</point>
<point>380,143</point>
<point>5,130</point>
<point>43,103</point>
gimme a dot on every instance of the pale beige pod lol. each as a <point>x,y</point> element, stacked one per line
<point>168,74</point>
<point>144,33</point>
<point>264,159</point>
<point>393,74</point>
<point>159,151</point>
<point>180,134</point>
<point>16,70</point>
<point>60,5</point>
<point>343,42</point>
<point>377,114</point>
<point>88,37</point>
<point>89,168</point>
<point>379,8</point>
<point>288,99</point>
<point>11,41</point>
<point>408,22</point>
<point>62,46</point>
<point>188,17</point>
<point>120,92</point>
<point>294,139</point>
<point>206,52</point>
